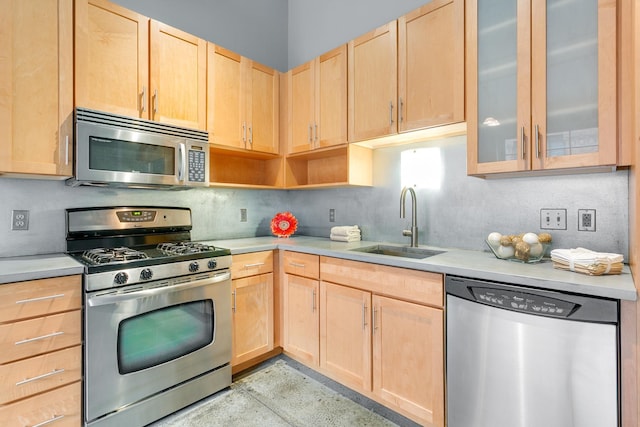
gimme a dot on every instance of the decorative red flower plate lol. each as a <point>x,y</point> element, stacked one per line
<point>284,224</point>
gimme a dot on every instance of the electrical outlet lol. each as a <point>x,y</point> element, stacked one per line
<point>19,220</point>
<point>243,215</point>
<point>586,220</point>
<point>553,219</point>
<point>332,215</point>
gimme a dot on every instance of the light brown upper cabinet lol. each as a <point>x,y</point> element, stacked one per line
<point>409,74</point>
<point>317,102</point>
<point>541,85</point>
<point>36,87</point>
<point>128,64</point>
<point>431,66</point>
<point>373,89</point>
<point>242,102</point>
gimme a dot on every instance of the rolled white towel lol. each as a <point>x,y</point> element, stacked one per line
<point>345,230</point>
<point>351,238</point>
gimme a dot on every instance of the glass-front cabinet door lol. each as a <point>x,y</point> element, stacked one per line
<point>574,83</point>
<point>540,85</point>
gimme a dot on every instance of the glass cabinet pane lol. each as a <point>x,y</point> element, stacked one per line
<point>497,80</point>
<point>572,77</point>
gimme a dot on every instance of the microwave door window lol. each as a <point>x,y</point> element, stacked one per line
<point>131,157</point>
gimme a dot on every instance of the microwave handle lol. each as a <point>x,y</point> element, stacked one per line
<point>182,161</point>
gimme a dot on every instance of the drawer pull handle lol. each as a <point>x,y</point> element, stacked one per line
<point>28,340</point>
<point>49,421</point>
<point>295,264</point>
<point>257,264</point>
<point>39,377</point>
<point>233,307</point>
<point>24,301</point>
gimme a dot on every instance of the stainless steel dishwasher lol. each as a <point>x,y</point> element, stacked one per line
<point>525,357</point>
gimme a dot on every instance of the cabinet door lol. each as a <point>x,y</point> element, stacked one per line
<point>301,105</point>
<point>226,98</point>
<point>345,335</point>
<point>408,358</point>
<point>498,86</point>
<point>431,65</point>
<point>263,110</point>
<point>36,87</point>
<point>112,59</point>
<point>301,318</point>
<point>574,84</point>
<point>373,83</point>
<point>178,67</point>
<point>252,308</point>
<point>331,98</point>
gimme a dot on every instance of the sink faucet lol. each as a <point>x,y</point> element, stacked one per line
<point>413,233</point>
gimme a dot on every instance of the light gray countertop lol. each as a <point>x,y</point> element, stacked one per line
<point>32,267</point>
<point>475,264</point>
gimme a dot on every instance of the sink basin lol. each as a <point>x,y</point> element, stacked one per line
<point>399,251</point>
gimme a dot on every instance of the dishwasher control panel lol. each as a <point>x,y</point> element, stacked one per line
<point>522,301</point>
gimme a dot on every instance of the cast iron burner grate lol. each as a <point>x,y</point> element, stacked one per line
<point>109,255</point>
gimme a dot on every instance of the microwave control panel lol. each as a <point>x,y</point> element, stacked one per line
<point>196,166</point>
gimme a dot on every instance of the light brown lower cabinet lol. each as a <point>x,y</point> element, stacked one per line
<point>40,352</point>
<point>252,306</point>
<point>301,319</point>
<point>382,334</point>
<point>252,317</point>
<point>301,297</point>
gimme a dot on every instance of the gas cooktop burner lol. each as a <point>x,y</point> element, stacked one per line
<point>180,248</point>
<point>109,255</point>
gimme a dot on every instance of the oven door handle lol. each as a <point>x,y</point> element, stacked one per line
<point>99,300</point>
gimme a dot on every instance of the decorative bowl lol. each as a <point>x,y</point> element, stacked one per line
<point>510,255</point>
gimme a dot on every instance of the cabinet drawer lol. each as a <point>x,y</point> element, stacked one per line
<point>28,338</point>
<point>305,265</point>
<point>37,374</point>
<point>251,264</point>
<point>419,286</point>
<point>34,298</point>
<point>57,408</point>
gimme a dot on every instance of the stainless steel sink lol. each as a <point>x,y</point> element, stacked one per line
<point>399,251</point>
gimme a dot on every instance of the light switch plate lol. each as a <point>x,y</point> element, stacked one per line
<point>553,219</point>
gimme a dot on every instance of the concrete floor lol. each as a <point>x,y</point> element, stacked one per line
<point>282,392</point>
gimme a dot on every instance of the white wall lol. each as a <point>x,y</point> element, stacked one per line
<point>316,26</point>
<point>256,29</point>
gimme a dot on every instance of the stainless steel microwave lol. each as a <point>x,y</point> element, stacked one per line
<point>119,151</point>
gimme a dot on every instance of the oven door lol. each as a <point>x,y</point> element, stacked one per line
<point>140,342</point>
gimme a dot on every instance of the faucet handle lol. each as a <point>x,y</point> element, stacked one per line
<point>407,233</point>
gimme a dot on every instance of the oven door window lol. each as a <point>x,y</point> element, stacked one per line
<point>124,156</point>
<point>159,336</point>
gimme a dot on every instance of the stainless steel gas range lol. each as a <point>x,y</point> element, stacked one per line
<point>157,313</point>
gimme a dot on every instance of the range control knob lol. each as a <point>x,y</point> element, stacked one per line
<point>212,264</point>
<point>193,267</point>
<point>146,274</point>
<point>121,278</point>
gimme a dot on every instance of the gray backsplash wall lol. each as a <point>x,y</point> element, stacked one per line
<point>464,210</point>
<point>458,214</point>
<point>215,212</point>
